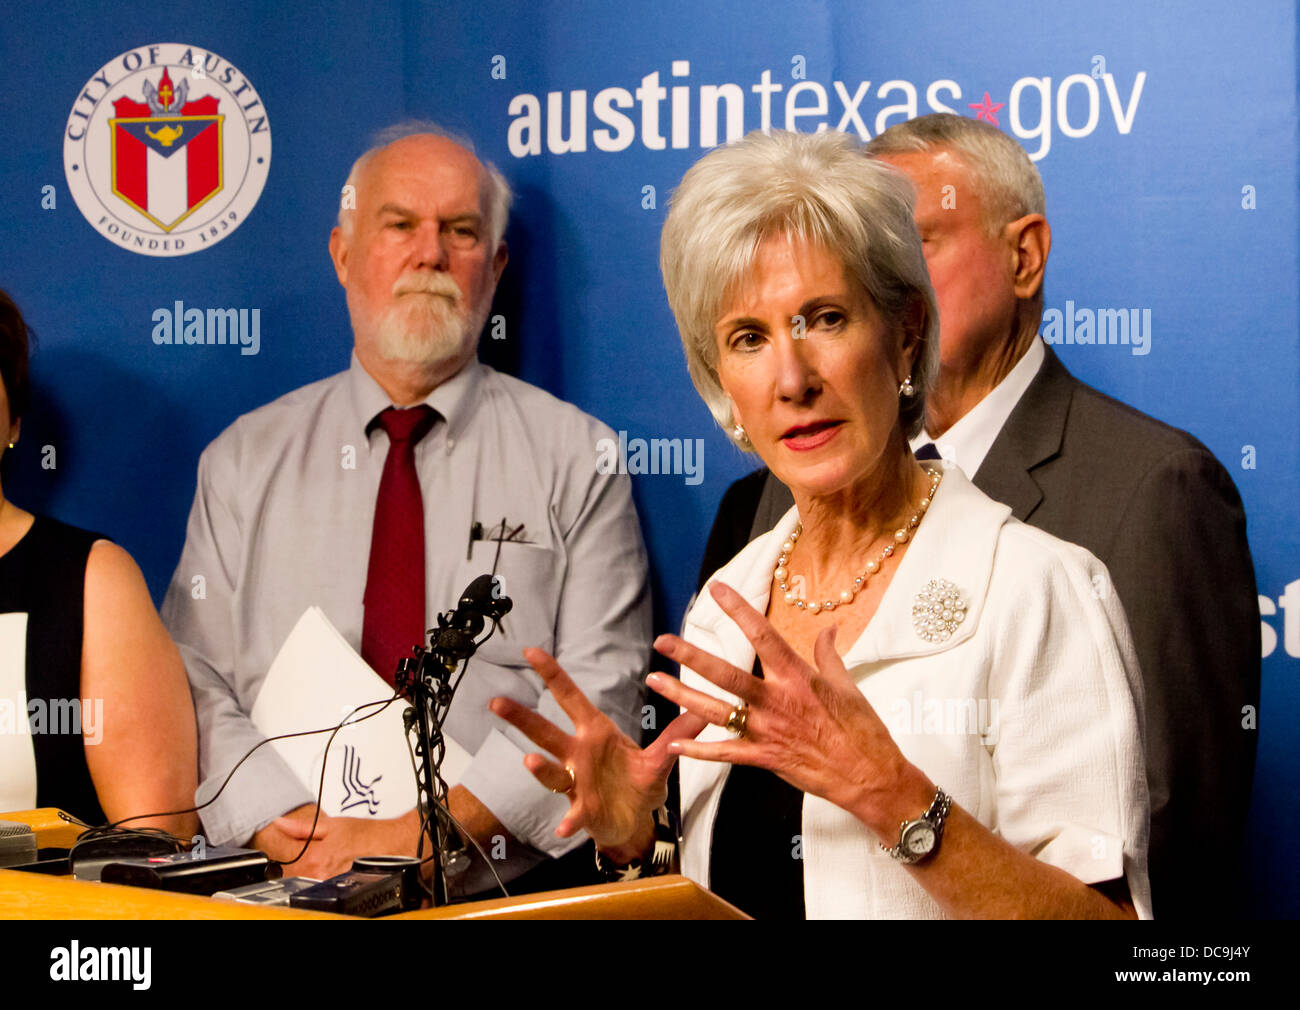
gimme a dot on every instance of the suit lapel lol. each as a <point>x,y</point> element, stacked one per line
<point>1031,436</point>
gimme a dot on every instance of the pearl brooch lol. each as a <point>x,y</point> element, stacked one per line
<point>937,610</point>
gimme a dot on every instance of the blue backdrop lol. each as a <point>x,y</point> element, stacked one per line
<point>1166,136</point>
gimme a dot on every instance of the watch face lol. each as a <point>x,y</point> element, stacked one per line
<point>918,839</point>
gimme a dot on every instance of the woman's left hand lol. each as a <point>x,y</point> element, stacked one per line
<point>808,724</point>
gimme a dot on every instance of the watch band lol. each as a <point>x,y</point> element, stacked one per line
<point>663,857</point>
<point>934,819</point>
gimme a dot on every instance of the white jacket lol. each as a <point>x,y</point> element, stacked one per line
<point>1029,716</point>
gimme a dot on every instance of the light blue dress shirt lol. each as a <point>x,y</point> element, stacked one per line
<point>282,520</point>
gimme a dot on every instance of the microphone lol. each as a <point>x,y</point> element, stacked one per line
<point>486,595</point>
<point>481,601</point>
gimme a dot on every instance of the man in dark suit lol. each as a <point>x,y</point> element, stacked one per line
<point>1147,499</point>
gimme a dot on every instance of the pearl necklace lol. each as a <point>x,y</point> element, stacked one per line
<point>846,596</point>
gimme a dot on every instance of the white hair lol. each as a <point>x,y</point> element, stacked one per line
<point>1010,186</point>
<point>816,187</point>
<point>494,191</point>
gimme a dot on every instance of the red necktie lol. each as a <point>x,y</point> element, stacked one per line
<point>394,600</point>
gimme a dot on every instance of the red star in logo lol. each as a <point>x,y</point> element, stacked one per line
<point>987,110</point>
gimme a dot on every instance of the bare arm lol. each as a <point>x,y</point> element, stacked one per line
<point>144,760</point>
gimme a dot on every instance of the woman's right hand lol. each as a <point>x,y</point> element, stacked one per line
<point>616,786</point>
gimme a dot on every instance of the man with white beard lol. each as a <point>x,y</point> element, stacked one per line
<point>378,494</point>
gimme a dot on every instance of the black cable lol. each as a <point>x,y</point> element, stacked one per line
<point>324,765</point>
<point>94,832</point>
<point>333,730</point>
<point>115,826</point>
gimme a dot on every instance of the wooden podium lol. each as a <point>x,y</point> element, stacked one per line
<point>655,898</point>
<point>38,896</point>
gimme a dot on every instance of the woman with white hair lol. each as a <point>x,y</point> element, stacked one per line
<point>901,702</point>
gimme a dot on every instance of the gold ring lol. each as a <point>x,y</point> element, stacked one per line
<point>738,720</point>
<point>573,783</point>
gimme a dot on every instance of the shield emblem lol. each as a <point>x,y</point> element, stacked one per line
<point>167,167</point>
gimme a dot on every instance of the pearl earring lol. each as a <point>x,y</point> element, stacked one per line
<point>738,433</point>
<point>906,389</point>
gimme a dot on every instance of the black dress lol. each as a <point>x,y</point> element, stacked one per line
<point>756,860</point>
<point>44,577</point>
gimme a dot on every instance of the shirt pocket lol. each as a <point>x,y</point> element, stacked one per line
<point>531,576</point>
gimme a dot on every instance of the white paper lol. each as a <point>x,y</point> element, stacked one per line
<point>315,681</point>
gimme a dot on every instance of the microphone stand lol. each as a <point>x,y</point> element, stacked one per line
<point>423,691</point>
<point>425,678</point>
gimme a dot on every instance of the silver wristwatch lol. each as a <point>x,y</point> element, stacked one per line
<point>918,840</point>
